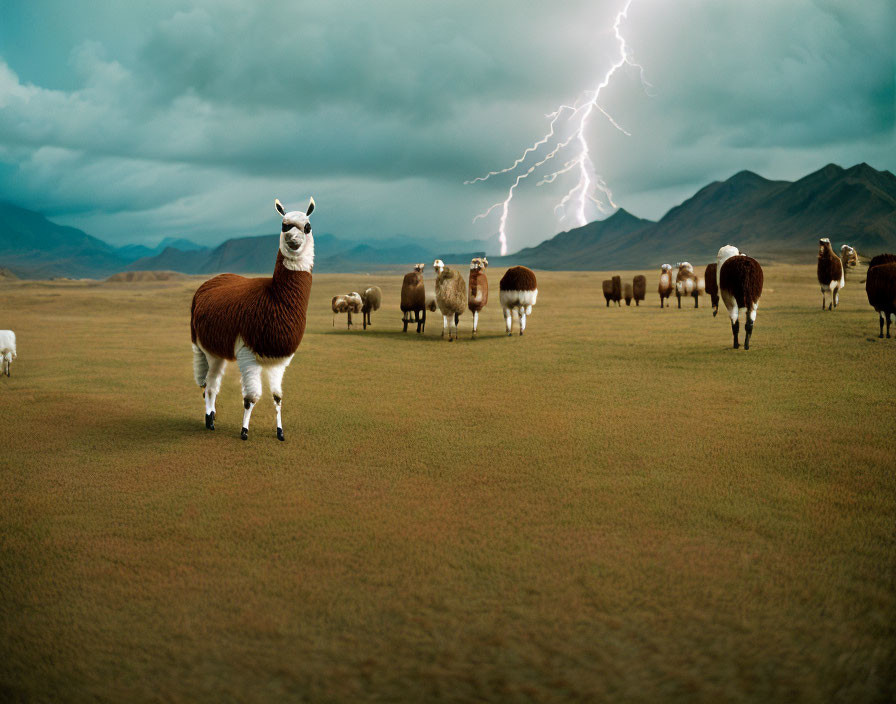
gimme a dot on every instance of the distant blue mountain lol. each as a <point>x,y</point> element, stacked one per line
<point>774,220</point>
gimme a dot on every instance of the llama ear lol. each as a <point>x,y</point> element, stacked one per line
<point>310,207</point>
<point>279,207</point>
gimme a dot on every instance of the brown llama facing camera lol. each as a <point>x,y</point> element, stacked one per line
<point>413,299</point>
<point>667,283</point>
<point>478,296</point>
<point>830,273</point>
<point>257,322</point>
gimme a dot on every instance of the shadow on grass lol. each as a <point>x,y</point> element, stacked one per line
<point>464,336</point>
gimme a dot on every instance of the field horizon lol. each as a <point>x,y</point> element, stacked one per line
<point>616,505</point>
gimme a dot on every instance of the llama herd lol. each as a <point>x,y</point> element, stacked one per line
<point>259,322</point>
<point>452,297</point>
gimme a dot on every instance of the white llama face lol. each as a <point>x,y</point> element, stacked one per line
<point>438,265</point>
<point>295,231</point>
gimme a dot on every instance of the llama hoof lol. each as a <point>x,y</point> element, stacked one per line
<point>210,420</point>
<point>715,313</point>
<point>521,333</point>
<point>746,345</point>
<point>736,346</point>
<point>510,334</point>
<point>244,433</point>
<point>280,434</point>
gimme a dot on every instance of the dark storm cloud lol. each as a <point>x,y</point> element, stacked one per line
<point>161,114</point>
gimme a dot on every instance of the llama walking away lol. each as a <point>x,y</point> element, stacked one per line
<point>740,282</point>
<point>256,322</point>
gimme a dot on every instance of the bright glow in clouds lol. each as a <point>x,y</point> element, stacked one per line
<point>589,186</point>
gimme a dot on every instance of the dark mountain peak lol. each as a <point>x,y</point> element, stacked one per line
<point>867,172</point>
<point>830,171</point>
<point>746,177</point>
<point>623,216</point>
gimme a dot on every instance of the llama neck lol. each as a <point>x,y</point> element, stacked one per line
<point>285,276</point>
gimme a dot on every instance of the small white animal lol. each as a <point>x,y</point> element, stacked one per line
<point>7,350</point>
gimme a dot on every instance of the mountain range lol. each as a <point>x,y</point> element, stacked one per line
<point>770,220</point>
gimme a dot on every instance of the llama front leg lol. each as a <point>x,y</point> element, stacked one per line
<point>275,382</point>
<point>444,325</point>
<point>508,320</point>
<point>475,322</point>
<point>250,380</point>
<point>522,321</point>
<point>836,297</point>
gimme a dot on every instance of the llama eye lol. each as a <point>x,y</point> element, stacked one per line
<point>307,227</point>
<point>285,227</point>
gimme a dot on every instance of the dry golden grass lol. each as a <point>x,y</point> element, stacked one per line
<point>615,506</point>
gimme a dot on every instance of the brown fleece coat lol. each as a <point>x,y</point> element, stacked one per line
<point>880,286</point>
<point>478,290</point>
<point>413,295</point>
<point>607,286</point>
<point>451,292</point>
<point>267,313</point>
<point>518,278</point>
<point>742,278</point>
<point>627,293</point>
<point>617,288</point>
<point>639,288</point>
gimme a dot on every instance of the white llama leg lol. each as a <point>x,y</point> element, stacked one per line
<point>508,319</point>
<point>445,325</point>
<point>475,322</point>
<point>275,383</point>
<point>200,366</point>
<point>216,367</point>
<point>522,320</point>
<point>250,370</point>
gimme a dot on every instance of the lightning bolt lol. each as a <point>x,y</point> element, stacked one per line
<point>575,119</point>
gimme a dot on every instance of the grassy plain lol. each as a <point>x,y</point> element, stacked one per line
<point>616,506</point>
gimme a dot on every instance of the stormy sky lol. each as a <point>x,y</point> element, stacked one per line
<point>136,121</point>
